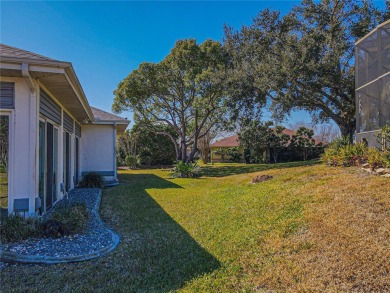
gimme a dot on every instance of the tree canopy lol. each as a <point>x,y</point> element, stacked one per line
<point>261,136</point>
<point>305,59</point>
<point>185,91</point>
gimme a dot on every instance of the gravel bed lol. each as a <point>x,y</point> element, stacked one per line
<point>94,238</point>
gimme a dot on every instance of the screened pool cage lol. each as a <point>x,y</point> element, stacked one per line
<point>373,83</point>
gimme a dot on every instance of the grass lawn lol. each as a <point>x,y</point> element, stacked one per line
<point>3,190</point>
<point>310,228</point>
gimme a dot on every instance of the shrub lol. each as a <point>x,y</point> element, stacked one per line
<point>185,170</point>
<point>375,158</point>
<point>234,154</point>
<point>383,138</point>
<point>92,180</point>
<point>145,161</point>
<point>66,219</point>
<point>342,153</point>
<point>132,161</point>
<point>3,169</point>
<point>16,228</point>
<point>386,158</point>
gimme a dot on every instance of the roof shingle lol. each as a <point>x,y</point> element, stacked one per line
<point>101,115</point>
<point>7,51</point>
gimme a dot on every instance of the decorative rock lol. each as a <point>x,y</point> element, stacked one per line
<point>367,170</point>
<point>96,240</point>
<point>380,171</point>
<point>366,165</point>
<point>386,175</point>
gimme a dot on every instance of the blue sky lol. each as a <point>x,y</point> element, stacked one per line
<point>105,41</point>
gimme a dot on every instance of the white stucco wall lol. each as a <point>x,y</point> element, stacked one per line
<point>22,142</point>
<point>97,148</point>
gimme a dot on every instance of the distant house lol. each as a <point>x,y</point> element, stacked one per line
<point>233,141</point>
<point>373,83</point>
<point>50,135</point>
<point>228,142</point>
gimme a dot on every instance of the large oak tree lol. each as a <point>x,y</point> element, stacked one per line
<point>305,59</point>
<point>185,91</point>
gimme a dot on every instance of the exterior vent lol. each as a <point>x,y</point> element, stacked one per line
<point>68,123</point>
<point>7,95</point>
<point>21,204</point>
<point>77,129</point>
<point>49,108</point>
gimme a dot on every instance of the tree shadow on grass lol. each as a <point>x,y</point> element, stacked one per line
<point>163,255</point>
<point>236,169</point>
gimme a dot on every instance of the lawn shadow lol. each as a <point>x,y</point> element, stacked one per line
<point>234,169</point>
<point>162,253</point>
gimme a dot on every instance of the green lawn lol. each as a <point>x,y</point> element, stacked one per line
<point>310,228</point>
<point>3,190</point>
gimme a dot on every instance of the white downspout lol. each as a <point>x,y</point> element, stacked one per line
<point>114,145</point>
<point>33,142</point>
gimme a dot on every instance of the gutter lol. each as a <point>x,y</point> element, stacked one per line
<point>27,76</point>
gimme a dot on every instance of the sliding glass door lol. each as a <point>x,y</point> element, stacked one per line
<point>42,151</point>
<point>4,153</point>
<point>76,161</point>
<point>48,164</point>
<point>67,178</point>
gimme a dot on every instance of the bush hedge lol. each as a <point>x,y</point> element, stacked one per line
<point>343,153</point>
<point>92,180</point>
<point>66,219</point>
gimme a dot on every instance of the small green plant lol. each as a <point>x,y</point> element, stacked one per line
<point>67,219</point>
<point>185,170</point>
<point>92,180</point>
<point>132,161</point>
<point>17,228</point>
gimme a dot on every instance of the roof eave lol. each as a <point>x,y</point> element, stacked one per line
<point>83,99</point>
<point>55,63</point>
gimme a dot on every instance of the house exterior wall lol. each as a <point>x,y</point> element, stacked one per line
<point>23,176</point>
<point>98,146</point>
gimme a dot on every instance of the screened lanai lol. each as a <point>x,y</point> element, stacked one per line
<point>373,83</point>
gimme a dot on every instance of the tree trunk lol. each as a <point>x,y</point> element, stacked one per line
<point>193,152</point>
<point>183,151</point>
<point>348,130</point>
<point>275,155</point>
